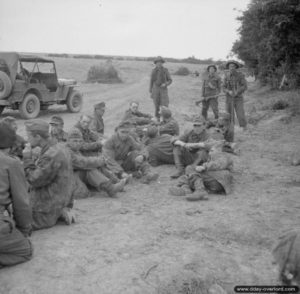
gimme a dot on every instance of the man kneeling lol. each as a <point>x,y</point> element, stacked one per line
<point>212,177</point>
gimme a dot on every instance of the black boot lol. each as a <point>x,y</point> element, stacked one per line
<point>113,189</point>
<point>178,163</point>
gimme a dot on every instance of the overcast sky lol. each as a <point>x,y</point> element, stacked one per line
<point>171,28</point>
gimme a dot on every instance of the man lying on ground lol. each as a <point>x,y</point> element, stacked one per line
<point>89,168</point>
<point>50,177</point>
<point>125,155</point>
<point>213,176</point>
<point>15,212</point>
<point>187,150</point>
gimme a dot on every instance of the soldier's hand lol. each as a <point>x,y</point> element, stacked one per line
<point>199,168</point>
<point>139,159</point>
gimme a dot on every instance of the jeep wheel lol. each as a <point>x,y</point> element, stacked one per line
<point>30,106</point>
<point>1,108</point>
<point>5,85</point>
<point>74,101</point>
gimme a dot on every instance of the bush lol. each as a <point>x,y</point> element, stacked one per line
<point>103,73</point>
<point>182,71</point>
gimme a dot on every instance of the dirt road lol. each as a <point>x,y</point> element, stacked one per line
<point>147,241</point>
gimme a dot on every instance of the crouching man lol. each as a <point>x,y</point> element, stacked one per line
<point>15,212</point>
<point>50,177</point>
<point>125,155</point>
<point>89,167</point>
<point>212,177</point>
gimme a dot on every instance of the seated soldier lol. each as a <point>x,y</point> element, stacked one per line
<point>168,125</point>
<point>125,154</point>
<point>133,115</point>
<point>89,168</point>
<point>287,256</point>
<point>19,144</point>
<point>213,176</point>
<point>50,177</point>
<point>187,150</point>
<point>57,132</point>
<point>98,123</point>
<point>92,144</point>
<point>159,148</point>
<point>15,212</point>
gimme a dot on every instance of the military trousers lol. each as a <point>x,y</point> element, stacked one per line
<point>14,247</point>
<point>157,156</point>
<point>236,105</point>
<point>213,103</point>
<point>160,98</point>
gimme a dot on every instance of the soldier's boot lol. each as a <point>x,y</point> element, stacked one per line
<point>178,164</point>
<point>68,215</point>
<point>113,189</point>
<point>148,175</point>
<point>180,191</point>
<point>200,192</point>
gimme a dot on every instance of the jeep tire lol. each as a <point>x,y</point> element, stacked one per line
<point>5,85</point>
<point>30,106</point>
<point>74,101</point>
<point>1,108</point>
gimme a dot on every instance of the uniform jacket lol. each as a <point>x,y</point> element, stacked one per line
<point>139,118</point>
<point>88,135</point>
<point>211,85</point>
<point>50,178</point>
<point>171,127</point>
<point>160,76</point>
<point>60,137</point>
<point>235,82</point>
<point>190,136</point>
<point>13,191</point>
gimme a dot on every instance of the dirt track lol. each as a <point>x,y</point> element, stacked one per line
<point>147,241</point>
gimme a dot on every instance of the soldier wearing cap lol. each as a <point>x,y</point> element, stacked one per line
<point>211,88</point>
<point>57,132</point>
<point>50,177</point>
<point>234,86</point>
<point>159,147</point>
<point>168,125</point>
<point>159,81</point>
<point>19,144</point>
<point>98,123</point>
<point>213,176</point>
<point>15,212</point>
<point>125,155</point>
<point>188,148</point>
<point>89,169</point>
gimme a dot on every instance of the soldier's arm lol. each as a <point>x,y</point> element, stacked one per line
<point>87,163</point>
<point>134,144</point>
<point>151,81</point>
<point>242,87</point>
<point>226,85</point>
<point>20,197</point>
<point>109,152</point>
<point>168,78</point>
<point>203,88</point>
<point>44,172</point>
<point>94,146</point>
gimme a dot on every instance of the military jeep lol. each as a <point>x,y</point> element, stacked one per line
<point>30,83</point>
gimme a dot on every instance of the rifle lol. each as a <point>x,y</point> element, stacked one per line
<point>209,97</point>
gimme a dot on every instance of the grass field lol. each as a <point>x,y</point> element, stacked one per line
<point>147,241</point>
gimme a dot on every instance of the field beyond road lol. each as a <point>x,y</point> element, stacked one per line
<point>147,241</point>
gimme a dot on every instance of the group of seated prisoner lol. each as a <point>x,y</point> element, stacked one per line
<point>41,176</point>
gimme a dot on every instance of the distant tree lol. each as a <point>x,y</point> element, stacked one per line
<point>269,42</point>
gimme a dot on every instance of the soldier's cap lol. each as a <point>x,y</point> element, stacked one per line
<point>7,135</point>
<point>37,125</point>
<point>74,134</point>
<point>236,63</point>
<point>99,105</point>
<point>56,120</point>
<point>9,119</point>
<point>152,131</point>
<point>224,116</point>
<point>165,112</point>
<point>199,122</point>
<point>125,125</point>
<point>159,59</point>
<point>211,65</point>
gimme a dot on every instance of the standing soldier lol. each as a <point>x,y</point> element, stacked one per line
<point>57,132</point>
<point>160,80</point>
<point>235,85</point>
<point>50,177</point>
<point>211,88</point>
<point>15,212</point>
<point>98,123</point>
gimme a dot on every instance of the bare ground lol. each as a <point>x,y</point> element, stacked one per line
<point>147,241</point>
